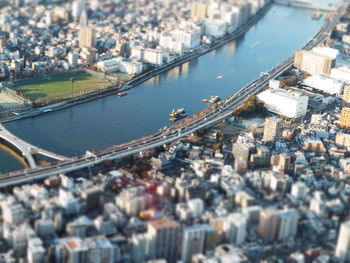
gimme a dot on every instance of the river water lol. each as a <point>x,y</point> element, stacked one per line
<point>112,120</point>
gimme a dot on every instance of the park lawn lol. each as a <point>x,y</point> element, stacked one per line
<point>54,86</point>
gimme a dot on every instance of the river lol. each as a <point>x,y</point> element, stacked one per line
<point>112,120</point>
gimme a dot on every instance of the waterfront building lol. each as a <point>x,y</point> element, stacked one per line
<point>272,129</point>
<point>87,37</point>
<point>130,66</point>
<point>343,245</point>
<point>285,103</point>
<point>344,120</point>
<point>189,35</point>
<point>108,66</point>
<point>215,28</point>
<point>313,63</point>
<point>153,56</point>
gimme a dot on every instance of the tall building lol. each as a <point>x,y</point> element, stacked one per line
<point>92,196</point>
<point>287,223</point>
<point>261,157</point>
<point>12,212</point>
<point>268,225</point>
<point>198,11</point>
<point>35,251</point>
<point>278,224</point>
<point>346,94</point>
<point>3,41</point>
<point>83,19</point>
<point>272,129</point>
<point>192,242</point>
<point>78,7</point>
<point>344,120</point>
<point>86,37</point>
<point>236,228</point>
<point>133,200</point>
<point>342,139</point>
<point>313,63</point>
<point>139,247</point>
<point>75,250</point>
<point>163,235</point>
<point>343,245</point>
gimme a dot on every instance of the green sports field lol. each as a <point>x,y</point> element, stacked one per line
<point>53,86</point>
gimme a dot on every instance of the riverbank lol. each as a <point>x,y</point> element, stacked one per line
<point>202,50</point>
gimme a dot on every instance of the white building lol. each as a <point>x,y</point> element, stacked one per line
<point>35,251</point>
<point>130,66</point>
<point>190,37</point>
<point>168,42</point>
<point>299,190</point>
<point>215,28</point>
<point>341,73</point>
<point>285,103</point>
<point>326,51</point>
<point>288,223</point>
<point>12,212</point>
<point>154,56</point>
<point>108,66</point>
<point>196,206</point>
<point>236,228</point>
<point>343,245</point>
<point>78,7</point>
<point>132,200</point>
<point>72,59</point>
<point>325,84</point>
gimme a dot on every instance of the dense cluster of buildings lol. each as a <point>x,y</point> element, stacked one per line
<point>277,192</point>
<point>43,36</point>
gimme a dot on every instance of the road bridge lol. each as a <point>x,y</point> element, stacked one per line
<point>27,149</point>
<point>202,120</point>
<point>306,4</point>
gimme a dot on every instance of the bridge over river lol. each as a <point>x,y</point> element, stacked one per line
<point>27,149</point>
<point>306,4</point>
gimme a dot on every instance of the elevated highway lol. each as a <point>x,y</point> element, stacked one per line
<point>27,149</point>
<point>204,119</point>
